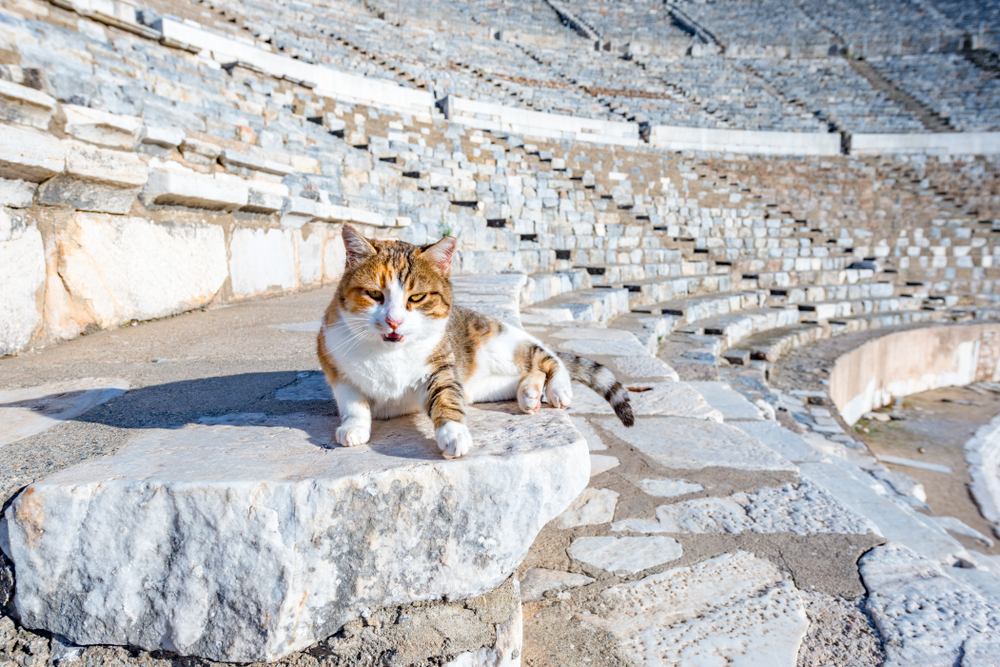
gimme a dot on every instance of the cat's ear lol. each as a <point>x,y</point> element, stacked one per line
<point>440,253</point>
<point>358,247</point>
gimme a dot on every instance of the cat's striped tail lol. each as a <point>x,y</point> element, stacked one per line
<point>603,381</point>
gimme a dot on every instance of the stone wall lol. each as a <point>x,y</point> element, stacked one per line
<point>909,362</point>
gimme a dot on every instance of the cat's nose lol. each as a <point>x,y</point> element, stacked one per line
<point>392,322</point>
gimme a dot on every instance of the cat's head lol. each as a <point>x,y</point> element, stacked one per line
<point>393,291</point>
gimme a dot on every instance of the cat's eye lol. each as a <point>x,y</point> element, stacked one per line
<point>375,294</point>
<point>417,297</point>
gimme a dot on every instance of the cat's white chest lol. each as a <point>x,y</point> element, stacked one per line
<point>392,379</point>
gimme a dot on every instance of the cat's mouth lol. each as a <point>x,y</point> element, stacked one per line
<point>393,337</point>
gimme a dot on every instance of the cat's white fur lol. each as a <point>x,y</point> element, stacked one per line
<point>389,379</point>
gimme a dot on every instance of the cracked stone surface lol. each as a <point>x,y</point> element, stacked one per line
<point>803,509</point>
<point>592,507</point>
<point>326,531</point>
<point>25,412</point>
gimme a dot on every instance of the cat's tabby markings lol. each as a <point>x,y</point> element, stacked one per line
<point>393,343</point>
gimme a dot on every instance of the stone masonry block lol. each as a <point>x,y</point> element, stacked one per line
<point>101,127</point>
<point>30,155</point>
<point>96,179</point>
<point>27,106</point>
<point>22,274</point>
<point>169,187</point>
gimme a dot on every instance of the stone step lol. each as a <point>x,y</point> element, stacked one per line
<point>544,286</point>
<point>818,293</point>
<point>687,311</point>
<point>587,305</point>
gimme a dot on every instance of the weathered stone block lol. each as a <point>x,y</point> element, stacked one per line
<point>262,260</point>
<point>247,538</point>
<point>27,106</point>
<point>29,155</point>
<point>170,187</point>
<point>16,193</point>
<point>22,275</point>
<point>96,179</point>
<point>101,127</point>
<point>244,161</point>
<point>115,269</point>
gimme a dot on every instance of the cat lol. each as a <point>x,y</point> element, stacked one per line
<point>393,343</point>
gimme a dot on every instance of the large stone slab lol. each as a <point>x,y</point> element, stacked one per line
<point>113,269</point>
<point>625,554</point>
<point>25,412</point>
<point>924,616</point>
<point>736,610</point>
<point>28,155</point>
<point>693,444</point>
<point>22,275</point>
<point>652,398</point>
<point>262,260</point>
<point>101,127</point>
<point>247,538</point>
<point>27,106</point>
<point>803,509</point>
<point>728,401</point>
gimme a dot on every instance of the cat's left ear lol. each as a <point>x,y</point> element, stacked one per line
<point>440,253</point>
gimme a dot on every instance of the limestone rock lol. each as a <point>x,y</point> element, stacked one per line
<point>175,187</point>
<point>262,260</point>
<point>101,282</point>
<point>100,127</point>
<point>728,401</point>
<point>16,193</point>
<point>591,508</point>
<point>27,106</point>
<point>95,180</point>
<point>628,554</point>
<point>924,616</point>
<point>600,463</point>
<point>538,581</point>
<point>22,275</point>
<point>668,488</point>
<point>735,609</point>
<point>25,412</point>
<point>247,538</point>
<point>30,156</point>
<point>645,367</point>
<point>805,509</point>
<point>693,444</point>
<point>654,398</point>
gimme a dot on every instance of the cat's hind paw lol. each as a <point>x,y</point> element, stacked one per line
<point>559,392</point>
<point>352,433</point>
<point>454,439</point>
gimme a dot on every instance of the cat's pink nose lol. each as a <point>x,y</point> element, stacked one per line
<point>394,323</point>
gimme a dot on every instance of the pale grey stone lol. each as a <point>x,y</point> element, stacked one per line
<point>305,327</point>
<point>693,444</point>
<point>538,581</point>
<point>896,522</point>
<point>22,275</point>
<point>101,127</point>
<point>25,412</point>
<point>95,179</point>
<point>726,400</point>
<point>668,488</point>
<point>803,509</point>
<point>164,137</point>
<point>982,454</point>
<point>958,526</point>
<point>245,161</point>
<point>912,463</point>
<point>594,442</point>
<point>27,106</point>
<point>655,398</point>
<point>924,616</point>
<point>16,193</point>
<point>176,520</point>
<point>173,187</point>
<point>29,155</point>
<point>262,260</point>
<point>735,609</point>
<point>310,386</point>
<point>593,334</point>
<point>780,439</point>
<point>600,463</point>
<point>625,554</point>
<point>645,367</point>
<point>588,347</point>
<point>591,508</point>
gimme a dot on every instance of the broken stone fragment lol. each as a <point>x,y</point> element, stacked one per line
<point>27,106</point>
<point>101,127</point>
<point>246,537</point>
<point>29,155</point>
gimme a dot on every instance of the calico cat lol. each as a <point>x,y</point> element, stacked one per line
<point>393,343</point>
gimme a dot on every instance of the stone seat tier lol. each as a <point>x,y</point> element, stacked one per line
<point>590,305</point>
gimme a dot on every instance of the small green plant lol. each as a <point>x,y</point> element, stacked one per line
<point>446,228</point>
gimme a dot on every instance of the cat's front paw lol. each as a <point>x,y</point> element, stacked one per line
<point>529,398</point>
<point>454,439</point>
<point>353,432</point>
<point>559,392</point>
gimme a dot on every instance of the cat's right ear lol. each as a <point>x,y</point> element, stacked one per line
<point>357,246</point>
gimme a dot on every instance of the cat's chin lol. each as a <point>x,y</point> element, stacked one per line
<point>393,338</point>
